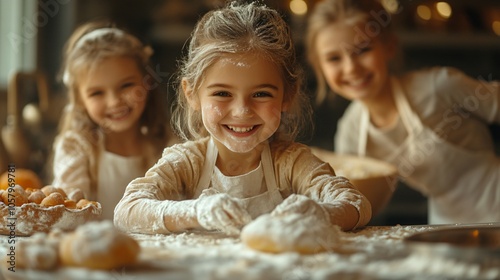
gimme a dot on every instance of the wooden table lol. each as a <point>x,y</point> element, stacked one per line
<point>370,253</point>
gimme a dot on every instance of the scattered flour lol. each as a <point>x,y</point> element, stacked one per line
<point>369,253</point>
<point>31,218</point>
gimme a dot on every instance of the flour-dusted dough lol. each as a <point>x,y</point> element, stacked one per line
<point>39,252</point>
<point>98,245</point>
<point>293,232</point>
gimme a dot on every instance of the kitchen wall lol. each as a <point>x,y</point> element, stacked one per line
<point>466,41</point>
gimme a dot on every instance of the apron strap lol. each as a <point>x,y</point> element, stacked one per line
<point>269,177</point>
<point>409,118</point>
<point>363,133</point>
<point>208,168</point>
<point>211,158</point>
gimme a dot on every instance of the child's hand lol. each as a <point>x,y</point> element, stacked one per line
<point>219,211</point>
<point>301,204</point>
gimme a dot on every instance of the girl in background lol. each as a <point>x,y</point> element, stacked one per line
<point>432,123</point>
<point>240,106</point>
<point>115,124</point>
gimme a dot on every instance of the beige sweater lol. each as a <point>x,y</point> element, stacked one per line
<point>71,166</point>
<point>150,200</point>
<point>76,165</point>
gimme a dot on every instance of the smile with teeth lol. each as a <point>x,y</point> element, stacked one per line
<point>240,129</point>
<point>119,114</point>
<point>358,82</point>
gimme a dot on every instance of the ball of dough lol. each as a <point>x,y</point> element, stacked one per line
<point>38,252</point>
<point>304,234</point>
<point>15,195</point>
<point>98,245</point>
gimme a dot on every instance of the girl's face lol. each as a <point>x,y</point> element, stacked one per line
<point>354,60</point>
<point>113,94</point>
<point>241,100</point>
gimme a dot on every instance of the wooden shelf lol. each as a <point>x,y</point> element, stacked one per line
<point>449,40</point>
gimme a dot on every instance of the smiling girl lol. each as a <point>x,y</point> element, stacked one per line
<point>114,126</point>
<point>433,124</point>
<point>240,106</point>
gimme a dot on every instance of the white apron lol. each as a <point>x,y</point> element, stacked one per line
<point>115,173</point>
<point>255,205</point>
<point>462,186</point>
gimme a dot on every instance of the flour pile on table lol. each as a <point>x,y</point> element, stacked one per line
<point>371,253</point>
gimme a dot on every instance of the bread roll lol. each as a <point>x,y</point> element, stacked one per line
<point>36,196</point>
<point>98,245</point>
<point>38,252</point>
<point>53,199</point>
<point>15,195</point>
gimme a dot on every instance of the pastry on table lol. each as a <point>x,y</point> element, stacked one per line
<point>299,224</point>
<point>39,252</point>
<point>294,232</point>
<point>98,245</point>
<point>95,245</point>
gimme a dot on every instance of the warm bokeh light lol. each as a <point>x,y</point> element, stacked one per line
<point>424,12</point>
<point>443,9</point>
<point>495,26</point>
<point>298,7</point>
<point>391,6</point>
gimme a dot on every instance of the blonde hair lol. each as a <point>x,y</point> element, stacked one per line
<point>327,12</point>
<point>238,29</point>
<point>89,44</point>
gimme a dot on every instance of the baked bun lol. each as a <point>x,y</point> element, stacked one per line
<point>15,195</point>
<point>47,190</point>
<point>98,245</point>
<point>70,204</point>
<point>36,196</point>
<point>53,199</point>
<point>82,203</point>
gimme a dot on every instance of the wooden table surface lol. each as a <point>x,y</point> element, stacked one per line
<point>369,253</point>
